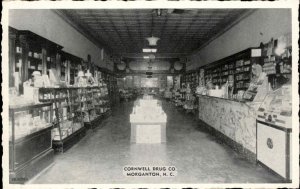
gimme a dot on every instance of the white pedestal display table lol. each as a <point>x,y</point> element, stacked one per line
<point>148,122</point>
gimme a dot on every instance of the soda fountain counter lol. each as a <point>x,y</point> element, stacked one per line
<point>261,129</point>
<point>235,121</point>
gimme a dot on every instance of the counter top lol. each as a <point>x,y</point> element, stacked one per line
<point>234,100</point>
<point>250,104</point>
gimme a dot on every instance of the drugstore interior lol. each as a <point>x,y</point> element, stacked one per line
<point>222,77</point>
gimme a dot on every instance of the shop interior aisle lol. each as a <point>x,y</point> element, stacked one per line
<point>99,158</point>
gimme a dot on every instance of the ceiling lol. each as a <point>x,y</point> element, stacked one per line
<point>123,31</point>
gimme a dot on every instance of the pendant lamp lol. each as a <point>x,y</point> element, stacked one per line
<point>152,40</point>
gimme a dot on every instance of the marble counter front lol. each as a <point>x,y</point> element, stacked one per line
<point>236,120</point>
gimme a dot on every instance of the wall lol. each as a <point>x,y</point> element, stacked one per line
<point>259,27</point>
<point>138,81</point>
<point>48,24</point>
<point>144,64</point>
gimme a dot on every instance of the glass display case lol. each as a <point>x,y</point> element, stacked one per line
<point>277,107</point>
<point>67,115</point>
<point>274,131</point>
<point>30,147</point>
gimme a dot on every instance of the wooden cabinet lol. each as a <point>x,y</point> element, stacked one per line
<point>70,65</point>
<point>274,148</point>
<point>30,52</point>
<point>12,56</point>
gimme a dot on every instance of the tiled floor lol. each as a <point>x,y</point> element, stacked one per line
<point>99,158</point>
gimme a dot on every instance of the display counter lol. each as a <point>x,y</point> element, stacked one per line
<point>234,119</point>
<point>148,122</point>
<point>30,147</point>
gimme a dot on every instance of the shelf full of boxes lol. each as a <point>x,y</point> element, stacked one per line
<point>235,69</point>
<point>95,105</point>
<point>67,119</point>
<point>189,83</point>
<point>109,80</point>
<point>192,79</point>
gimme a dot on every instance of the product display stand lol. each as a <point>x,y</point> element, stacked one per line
<point>30,141</point>
<point>148,122</point>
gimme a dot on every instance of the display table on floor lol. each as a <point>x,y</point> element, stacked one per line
<point>148,132</point>
<point>148,122</point>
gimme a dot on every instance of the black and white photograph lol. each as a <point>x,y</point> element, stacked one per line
<point>150,94</point>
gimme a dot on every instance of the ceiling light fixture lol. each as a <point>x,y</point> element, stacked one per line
<point>152,40</point>
<point>151,56</point>
<point>158,12</point>
<point>149,50</point>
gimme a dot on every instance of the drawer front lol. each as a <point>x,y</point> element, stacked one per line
<point>271,148</point>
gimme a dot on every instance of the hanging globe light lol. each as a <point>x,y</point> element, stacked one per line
<point>178,65</point>
<point>121,65</point>
<point>151,56</point>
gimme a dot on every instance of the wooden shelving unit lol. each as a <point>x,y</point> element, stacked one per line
<point>238,65</point>
<point>191,78</point>
<point>30,52</point>
<point>110,80</point>
<point>70,66</point>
